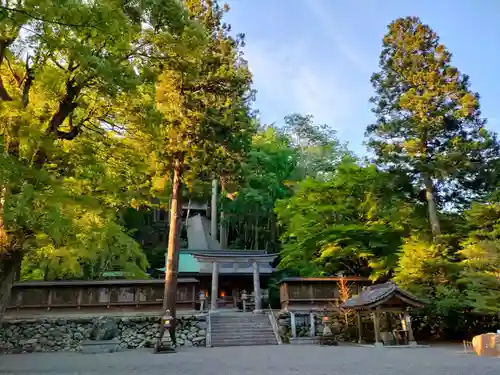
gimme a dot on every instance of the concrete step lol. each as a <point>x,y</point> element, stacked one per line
<point>235,336</point>
<point>237,316</point>
<point>242,332</point>
<point>216,327</point>
<point>242,343</point>
<point>230,321</point>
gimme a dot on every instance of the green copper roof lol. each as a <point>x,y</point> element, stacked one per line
<point>187,263</point>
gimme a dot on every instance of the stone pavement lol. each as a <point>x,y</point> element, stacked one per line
<point>257,360</point>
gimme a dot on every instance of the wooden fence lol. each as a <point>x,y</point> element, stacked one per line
<point>95,296</point>
<point>316,293</point>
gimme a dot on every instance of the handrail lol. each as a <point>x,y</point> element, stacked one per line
<point>208,338</point>
<point>274,324</point>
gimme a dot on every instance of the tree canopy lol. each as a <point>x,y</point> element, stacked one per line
<point>114,111</point>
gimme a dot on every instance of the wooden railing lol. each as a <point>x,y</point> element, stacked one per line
<point>123,295</point>
<point>316,292</point>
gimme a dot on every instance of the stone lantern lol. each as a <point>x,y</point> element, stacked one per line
<point>244,299</point>
<point>202,301</point>
<point>166,325</point>
<point>326,328</point>
<point>167,320</point>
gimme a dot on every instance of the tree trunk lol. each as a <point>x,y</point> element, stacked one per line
<point>213,215</point>
<point>256,233</point>
<point>222,231</point>
<point>170,291</point>
<point>9,264</point>
<point>432,208</point>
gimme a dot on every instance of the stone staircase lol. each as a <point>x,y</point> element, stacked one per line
<point>241,329</point>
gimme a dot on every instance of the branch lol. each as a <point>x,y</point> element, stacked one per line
<point>14,74</point>
<point>4,95</point>
<point>4,10</point>
<point>30,77</point>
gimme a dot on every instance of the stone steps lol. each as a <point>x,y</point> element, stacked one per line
<point>241,330</point>
<point>239,342</point>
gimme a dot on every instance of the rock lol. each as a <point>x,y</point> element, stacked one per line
<point>104,328</point>
<point>70,334</point>
<point>202,325</point>
<point>282,331</point>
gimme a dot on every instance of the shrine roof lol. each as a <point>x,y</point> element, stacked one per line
<point>196,261</point>
<point>378,294</point>
<point>236,256</point>
<point>323,279</point>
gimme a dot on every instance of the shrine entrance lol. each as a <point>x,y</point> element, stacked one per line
<point>226,288</point>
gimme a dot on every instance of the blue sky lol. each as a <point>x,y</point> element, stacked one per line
<point>316,56</point>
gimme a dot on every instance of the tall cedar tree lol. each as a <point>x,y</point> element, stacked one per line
<point>62,62</point>
<point>204,102</point>
<point>428,120</point>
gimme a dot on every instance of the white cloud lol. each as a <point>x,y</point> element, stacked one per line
<point>324,15</point>
<point>288,80</point>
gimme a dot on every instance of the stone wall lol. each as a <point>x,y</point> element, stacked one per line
<point>43,335</point>
<point>336,323</point>
<point>302,325</point>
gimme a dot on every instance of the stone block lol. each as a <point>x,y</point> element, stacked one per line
<point>104,328</point>
<point>100,346</point>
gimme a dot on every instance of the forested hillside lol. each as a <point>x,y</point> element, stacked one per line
<point>112,109</point>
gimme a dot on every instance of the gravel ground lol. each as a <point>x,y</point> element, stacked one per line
<point>260,360</point>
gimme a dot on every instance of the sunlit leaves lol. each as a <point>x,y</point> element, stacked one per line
<point>351,223</point>
<point>428,119</point>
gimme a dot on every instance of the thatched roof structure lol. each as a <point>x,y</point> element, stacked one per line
<point>385,296</point>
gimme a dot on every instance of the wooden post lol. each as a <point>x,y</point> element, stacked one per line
<point>293,324</point>
<point>411,339</point>
<point>256,287</point>
<point>194,297</point>
<point>213,207</point>
<point>360,327</point>
<point>215,286</point>
<point>312,324</point>
<point>376,325</point>
<point>49,299</point>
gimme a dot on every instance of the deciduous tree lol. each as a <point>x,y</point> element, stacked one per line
<point>63,64</point>
<point>351,223</point>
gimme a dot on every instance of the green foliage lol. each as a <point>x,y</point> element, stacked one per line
<point>204,100</point>
<point>70,161</point>
<point>481,257</point>
<point>317,145</point>
<point>428,120</point>
<point>265,173</point>
<point>426,269</point>
<point>100,102</point>
<point>351,223</point>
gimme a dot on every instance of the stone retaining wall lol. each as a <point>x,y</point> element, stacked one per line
<point>43,335</point>
<point>303,327</point>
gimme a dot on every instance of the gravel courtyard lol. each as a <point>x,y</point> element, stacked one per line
<point>270,360</point>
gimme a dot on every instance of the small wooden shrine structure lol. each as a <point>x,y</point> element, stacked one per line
<point>307,294</point>
<point>386,297</point>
